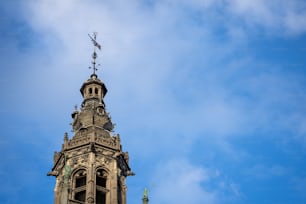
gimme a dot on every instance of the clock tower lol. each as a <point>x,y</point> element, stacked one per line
<point>91,167</point>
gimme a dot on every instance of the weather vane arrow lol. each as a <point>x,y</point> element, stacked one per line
<point>94,55</point>
<point>94,41</point>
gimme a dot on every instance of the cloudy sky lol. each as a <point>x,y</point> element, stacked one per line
<point>209,96</point>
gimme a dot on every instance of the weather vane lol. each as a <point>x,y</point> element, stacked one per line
<point>94,55</point>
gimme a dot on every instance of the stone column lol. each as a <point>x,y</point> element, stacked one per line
<point>123,189</point>
<point>90,189</point>
<point>113,184</point>
<point>56,191</point>
<point>65,183</point>
<point>64,194</point>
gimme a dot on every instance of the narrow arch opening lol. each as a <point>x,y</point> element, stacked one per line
<point>101,183</point>
<point>80,185</point>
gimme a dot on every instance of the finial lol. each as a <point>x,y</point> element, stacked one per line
<point>145,198</point>
<point>94,55</point>
<point>65,145</point>
<point>66,136</point>
<point>145,193</point>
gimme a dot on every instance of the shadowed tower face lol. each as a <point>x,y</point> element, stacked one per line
<point>91,166</point>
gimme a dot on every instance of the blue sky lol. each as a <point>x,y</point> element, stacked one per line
<point>209,96</point>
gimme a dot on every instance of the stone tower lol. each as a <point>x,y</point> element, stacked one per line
<point>91,166</point>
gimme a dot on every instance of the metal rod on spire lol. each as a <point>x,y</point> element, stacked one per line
<point>94,55</point>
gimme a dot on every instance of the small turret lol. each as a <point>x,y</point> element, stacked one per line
<point>93,89</point>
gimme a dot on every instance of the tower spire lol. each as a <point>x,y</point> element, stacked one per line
<point>94,54</point>
<point>91,167</point>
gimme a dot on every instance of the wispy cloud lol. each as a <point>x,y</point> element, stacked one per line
<point>180,182</point>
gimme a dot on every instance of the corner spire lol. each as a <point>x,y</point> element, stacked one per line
<point>94,54</point>
<point>145,198</point>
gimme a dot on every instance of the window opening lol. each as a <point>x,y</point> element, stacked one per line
<point>100,197</point>
<point>80,186</point>
<point>80,181</point>
<point>80,196</point>
<point>101,179</point>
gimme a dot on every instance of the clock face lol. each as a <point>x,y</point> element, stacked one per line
<point>100,110</point>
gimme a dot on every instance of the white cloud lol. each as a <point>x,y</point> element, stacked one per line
<point>295,22</point>
<point>282,17</point>
<point>180,182</point>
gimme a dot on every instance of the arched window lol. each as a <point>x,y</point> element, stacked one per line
<point>80,185</point>
<point>101,181</point>
<point>96,91</point>
<point>90,90</point>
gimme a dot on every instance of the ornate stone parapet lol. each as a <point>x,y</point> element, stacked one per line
<point>75,142</point>
<point>112,142</point>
